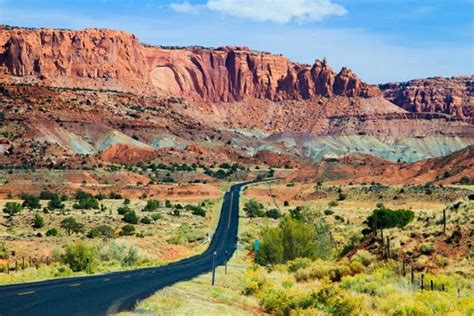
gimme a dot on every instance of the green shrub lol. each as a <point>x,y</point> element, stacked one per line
<point>87,204</point>
<point>104,231</point>
<point>130,217</point>
<point>328,212</point>
<point>115,196</point>
<point>55,202</point>
<point>151,205</point>
<point>364,257</point>
<point>131,257</point>
<point>298,263</point>
<point>294,239</point>
<point>275,301</point>
<point>52,232</point>
<point>122,210</point>
<point>196,210</point>
<point>253,282</point>
<point>46,195</point>
<point>81,195</point>
<point>127,230</point>
<point>71,226</point>
<point>273,213</point>
<point>387,218</point>
<point>336,302</point>
<point>146,220</point>
<point>39,221</point>
<point>320,269</point>
<point>30,201</point>
<point>341,197</point>
<point>12,208</point>
<point>156,216</point>
<point>296,213</point>
<point>176,212</point>
<point>4,253</point>
<point>168,179</point>
<point>426,248</point>
<point>254,209</point>
<point>78,254</point>
<point>466,180</point>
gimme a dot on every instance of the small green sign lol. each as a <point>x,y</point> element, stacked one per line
<point>256,245</point>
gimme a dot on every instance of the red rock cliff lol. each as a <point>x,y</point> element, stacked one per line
<point>454,96</point>
<point>88,58</point>
<point>115,60</point>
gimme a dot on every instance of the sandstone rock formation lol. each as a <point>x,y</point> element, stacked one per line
<point>95,58</point>
<point>90,58</point>
<point>454,96</point>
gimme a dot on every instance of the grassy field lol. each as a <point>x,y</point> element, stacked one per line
<point>363,283</point>
<point>171,233</point>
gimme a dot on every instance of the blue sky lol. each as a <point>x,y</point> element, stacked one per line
<point>380,40</point>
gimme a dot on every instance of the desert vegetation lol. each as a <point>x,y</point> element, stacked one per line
<point>52,234</point>
<point>367,254</point>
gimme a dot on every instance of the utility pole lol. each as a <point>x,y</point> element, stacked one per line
<point>214,255</point>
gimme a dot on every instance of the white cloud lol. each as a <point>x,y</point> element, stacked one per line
<point>185,7</point>
<point>281,11</point>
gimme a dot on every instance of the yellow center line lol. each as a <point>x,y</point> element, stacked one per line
<point>26,293</point>
<point>75,284</point>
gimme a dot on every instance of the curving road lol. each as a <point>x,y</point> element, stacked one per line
<point>118,291</point>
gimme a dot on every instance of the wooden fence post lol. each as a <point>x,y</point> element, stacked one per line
<point>412,275</point>
<point>422,281</point>
<point>444,221</point>
<point>388,247</point>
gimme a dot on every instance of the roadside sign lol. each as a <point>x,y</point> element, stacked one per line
<point>256,245</point>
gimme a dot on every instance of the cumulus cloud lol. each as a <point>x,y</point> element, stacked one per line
<point>185,7</point>
<point>281,11</point>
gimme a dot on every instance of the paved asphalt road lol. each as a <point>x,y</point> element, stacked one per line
<point>113,292</point>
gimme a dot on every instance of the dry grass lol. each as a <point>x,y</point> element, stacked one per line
<point>197,297</point>
<point>167,239</point>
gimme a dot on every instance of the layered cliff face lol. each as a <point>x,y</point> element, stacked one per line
<point>454,96</point>
<point>95,58</point>
<point>88,58</point>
